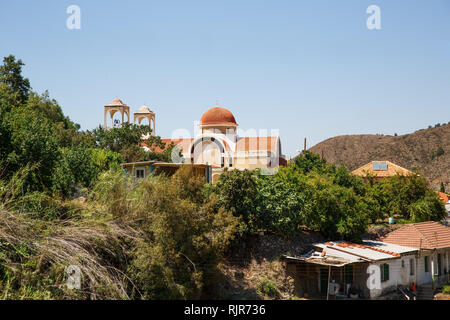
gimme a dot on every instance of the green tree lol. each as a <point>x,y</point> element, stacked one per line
<point>104,159</point>
<point>428,208</point>
<point>308,161</point>
<point>279,208</point>
<point>34,144</point>
<point>127,140</point>
<point>237,192</point>
<point>11,75</point>
<point>335,211</point>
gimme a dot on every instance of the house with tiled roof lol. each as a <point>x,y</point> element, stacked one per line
<point>379,170</point>
<point>341,269</point>
<point>432,239</point>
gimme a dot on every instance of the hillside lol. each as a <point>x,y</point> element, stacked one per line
<point>426,151</point>
<point>252,269</point>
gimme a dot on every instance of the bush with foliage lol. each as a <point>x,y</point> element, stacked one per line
<point>268,288</point>
<point>184,235</point>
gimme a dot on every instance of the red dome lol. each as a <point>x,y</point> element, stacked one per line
<point>218,115</point>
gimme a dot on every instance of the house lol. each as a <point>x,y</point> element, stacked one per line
<point>432,239</point>
<point>341,268</point>
<point>143,169</point>
<point>381,170</point>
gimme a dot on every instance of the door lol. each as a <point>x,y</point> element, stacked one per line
<point>348,274</point>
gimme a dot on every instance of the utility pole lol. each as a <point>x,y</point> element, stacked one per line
<point>329,274</point>
<point>304,146</point>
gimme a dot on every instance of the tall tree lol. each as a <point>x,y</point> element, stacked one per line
<point>11,75</point>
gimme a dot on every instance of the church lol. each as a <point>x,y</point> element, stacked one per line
<point>217,142</point>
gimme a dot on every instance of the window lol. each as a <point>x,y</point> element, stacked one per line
<point>384,268</point>
<point>230,162</point>
<point>140,173</point>
<point>426,262</point>
<point>411,267</point>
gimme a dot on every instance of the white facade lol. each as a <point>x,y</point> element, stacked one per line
<point>402,271</point>
<point>411,269</point>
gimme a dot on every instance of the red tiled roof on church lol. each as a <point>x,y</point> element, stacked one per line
<point>257,144</point>
<point>184,143</point>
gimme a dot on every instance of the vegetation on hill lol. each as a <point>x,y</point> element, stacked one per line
<point>425,151</point>
<point>312,194</point>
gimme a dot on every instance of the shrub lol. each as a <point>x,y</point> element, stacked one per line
<point>267,287</point>
<point>446,289</point>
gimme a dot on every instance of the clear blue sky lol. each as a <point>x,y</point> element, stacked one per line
<point>308,68</point>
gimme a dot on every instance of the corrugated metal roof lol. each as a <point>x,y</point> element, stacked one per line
<point>340,253</point>
<point>368,250</point>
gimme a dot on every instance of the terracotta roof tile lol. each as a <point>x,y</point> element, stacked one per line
<point>392,170</point>
<point>257,144</point>
<point>444,197</point>
<point>425,235</point>
<point>183,143</point>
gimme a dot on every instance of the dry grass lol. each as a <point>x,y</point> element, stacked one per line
<point>46,249</point>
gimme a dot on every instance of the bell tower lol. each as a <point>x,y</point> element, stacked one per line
<point>145,113</point>
<point>115,106</point>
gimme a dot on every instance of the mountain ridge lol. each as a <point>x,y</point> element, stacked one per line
<point>425,151</point>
